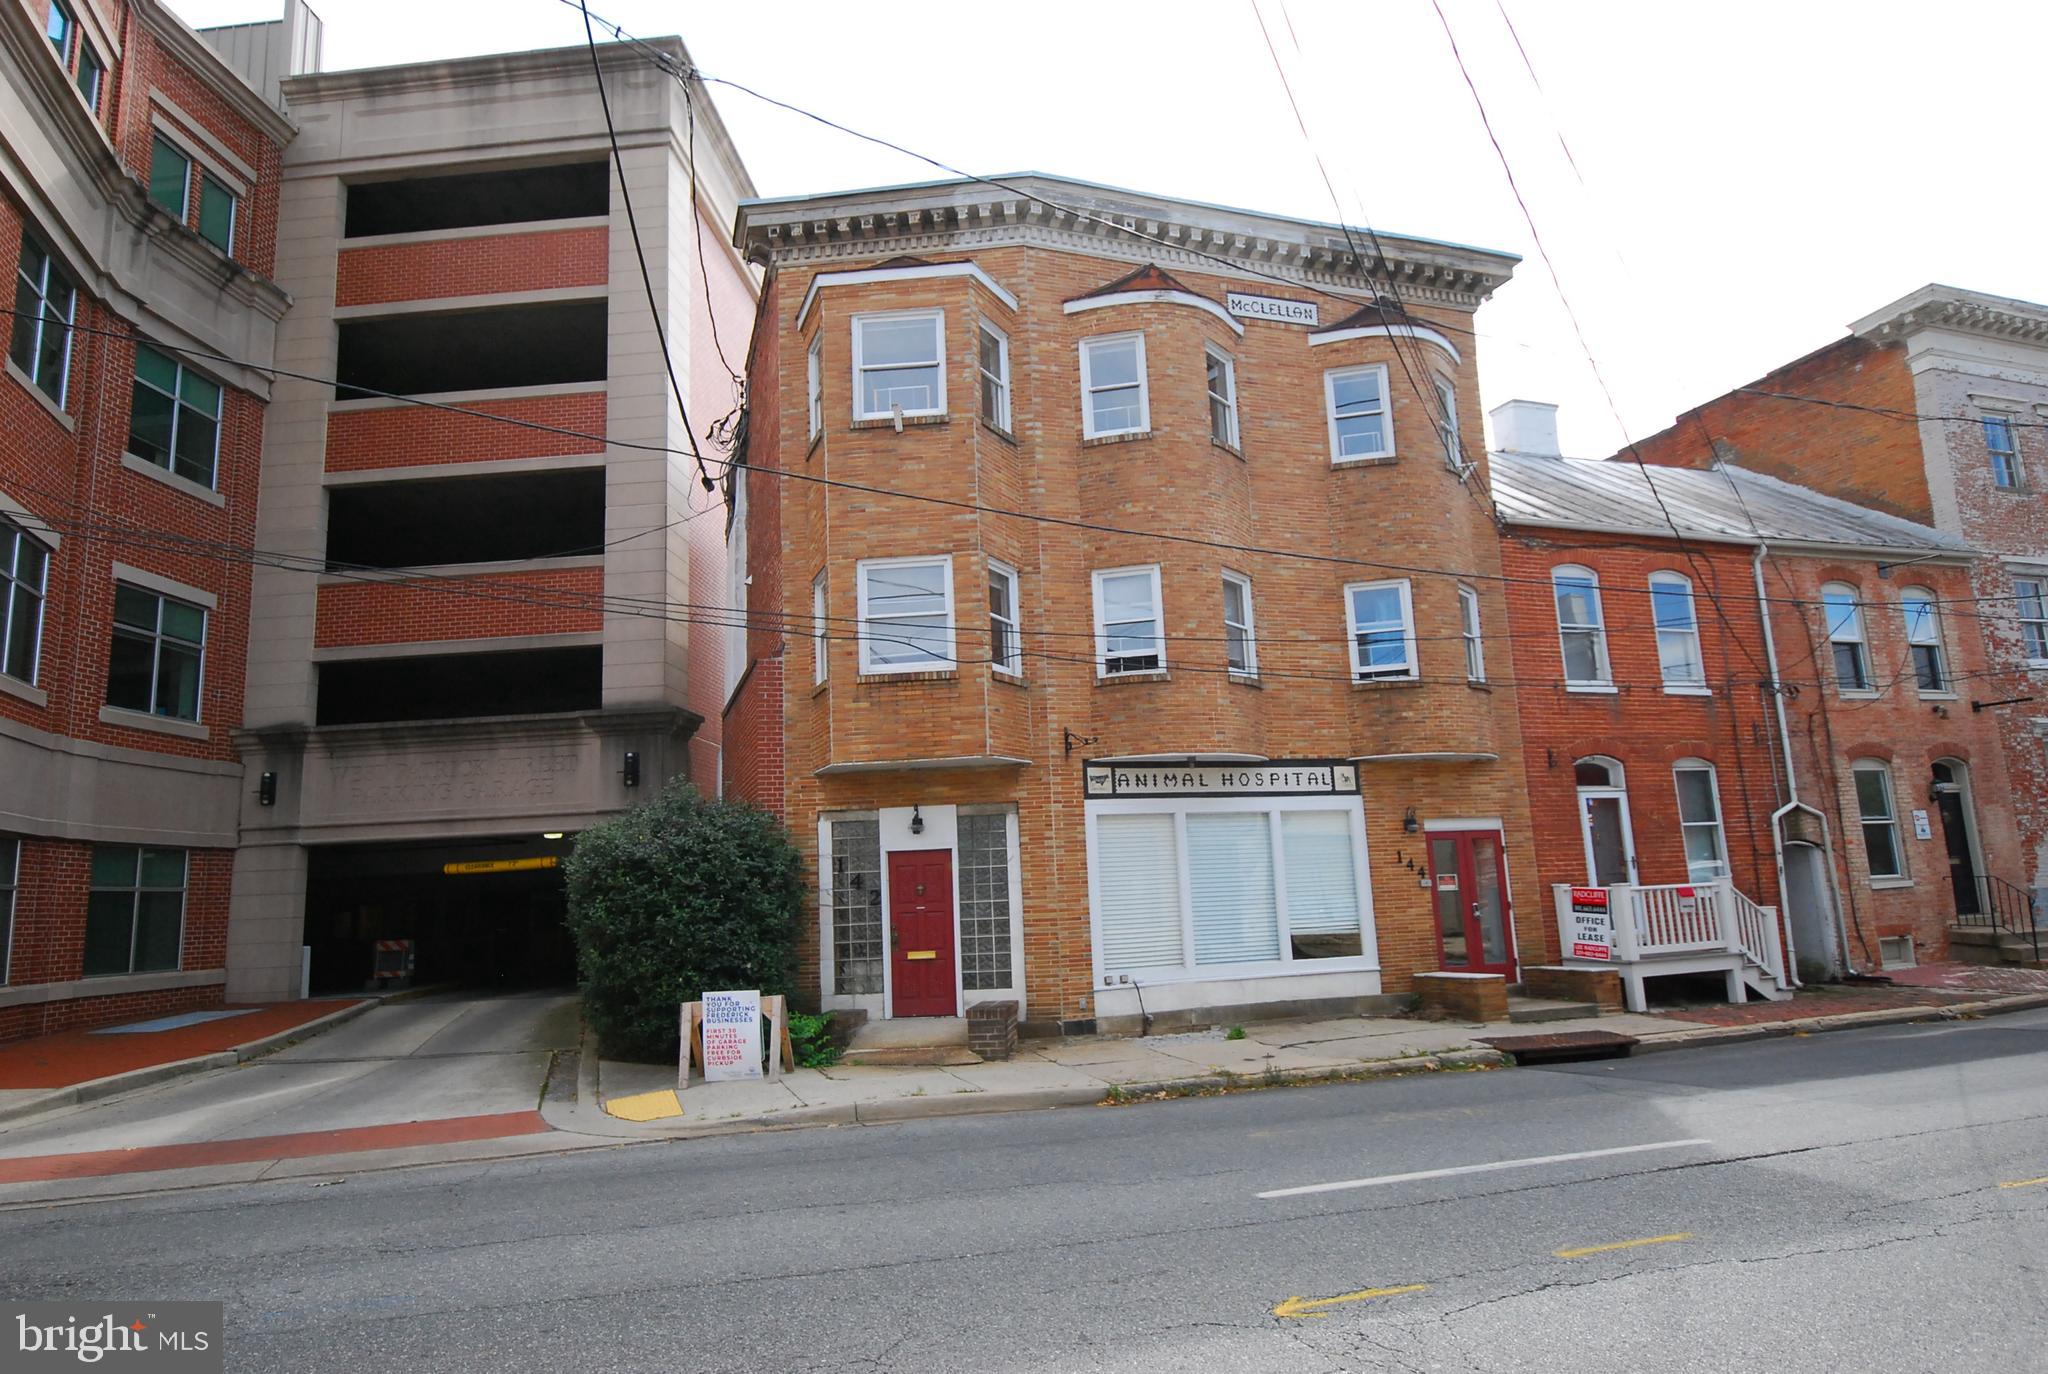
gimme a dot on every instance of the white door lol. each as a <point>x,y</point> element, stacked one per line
<point>1610,843</point>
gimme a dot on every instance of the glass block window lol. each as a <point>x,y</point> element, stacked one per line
<point>984,902</point>
<point>856,906</point>
<point>135,918</point>
<point>10,877</point>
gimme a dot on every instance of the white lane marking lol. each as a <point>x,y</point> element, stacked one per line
<point>1383,1179</point>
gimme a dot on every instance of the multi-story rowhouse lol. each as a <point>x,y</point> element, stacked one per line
<point>491,618</point>
<point>138,221</point>
<point>1650,621</point>
<point>1126,609</point>
<point>1934,409</point>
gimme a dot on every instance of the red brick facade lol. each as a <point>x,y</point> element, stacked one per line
<point>372,436</point>
<point>523,602</point>
<point>472,266</point>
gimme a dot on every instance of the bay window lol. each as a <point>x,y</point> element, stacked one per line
<point>1221,372</point>
<point>1114,394</point>
<point>899,364</point>
<point>1468,629</point>
<point>1240,648</point>
<point>1005,646</point>
<point>1128,622</point>
<point>906,615</point>
<point>1356,402</point>
<point>1382,625</point>
<point>993,362</point>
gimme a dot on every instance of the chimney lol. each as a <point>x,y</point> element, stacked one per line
<point>1526,427</point>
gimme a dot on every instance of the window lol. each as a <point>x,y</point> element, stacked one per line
<point>1357,401</point>
<point>1268,883</point>
<point>216,214</point>
<point>1581,630</point>
<point>10,881</point>
<point>63,31</point>
<point>1923,637</point>
<point>1880,821</point>
<point>1468,628</point>
<point>1447,424</point>
<point>91,74</point>
<point>2032,596</point>
<point>1678,631</point>
<point>1699,821</point>
<point>1240,646</point>
<point>44,303</point>
<point>170,177</point>
<point>993,360</point>
<point>821,638</point>
<point>814,385</point>
<point>1127,622</point>
<point>1113,392</point>
<point>159,644</point>
<point>1005,645</point>
<point>985,901</point>
<point>1382,630</point>
<point>856,902</point>
<point>1222,375</point>
<point>24,574</point>
<point>898,364</point>
<point>906,615</point>
<point>2002,443</point>
<point>135,917</point>
<point>1844,615</point>
<point>175,420</point>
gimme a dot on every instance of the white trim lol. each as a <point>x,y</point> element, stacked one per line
<point>1360,671</point>
<point>1006,420</point>
<point>1619,794</point>
<point>1014,620</point>
<point>164,586</point>
<point>919,272</point>
<point>1472,636</point>
<point>1903,877</point>
<point>821,642</point>
<point>1086,348</point>
<point>1575,572</point>
<point>1855,632</point>
<point>1234,439</point>
<point>1935,640</point>
<point>1386,413</point>
<point>814,385</point>
<point>1250,627</point>
<point>1387,331</point>
<point>1693,764</point>
<point>938,319</point>
<point>1677,686</point>
<point>926,665</point>
<point>1162,297</point>
<point>1101,631</point>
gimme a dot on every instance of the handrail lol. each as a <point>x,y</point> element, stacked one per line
<point>2005,907</point>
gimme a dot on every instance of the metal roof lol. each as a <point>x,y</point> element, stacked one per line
<point>1724,504</point>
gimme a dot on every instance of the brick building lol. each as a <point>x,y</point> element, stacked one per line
<point>1148,711</point>
<point>1657,752</point>
<point>1933,408</point>
<point>478,635</point>
<point>138,221</point>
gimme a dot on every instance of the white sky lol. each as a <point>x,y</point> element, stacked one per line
<point>1755,175</point>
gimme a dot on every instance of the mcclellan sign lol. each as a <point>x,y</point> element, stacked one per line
<point>1275,778</point>
<point>1271,308</point>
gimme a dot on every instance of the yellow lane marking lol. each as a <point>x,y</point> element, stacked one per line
<point>2026,1182</point>
<point>1622,1245</point>
<point>1306,1307</point>
<point>652,1106</point>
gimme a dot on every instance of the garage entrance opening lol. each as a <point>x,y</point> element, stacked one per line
<point>480,913</point>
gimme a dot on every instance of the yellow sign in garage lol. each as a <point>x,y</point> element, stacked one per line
<point>475,866</point>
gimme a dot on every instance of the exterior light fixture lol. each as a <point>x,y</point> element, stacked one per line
<point>1408,821</point>
<point>916,821</point>
<point>551,835</point>
<point>631,772</point>
<point>266,790</point>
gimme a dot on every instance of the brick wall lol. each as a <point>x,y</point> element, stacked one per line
<point>535,601</point>
<point>376,437</point>
<point>480,265</point>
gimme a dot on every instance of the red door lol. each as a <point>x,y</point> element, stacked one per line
<point>921,933</point>
<point>1469,884</point>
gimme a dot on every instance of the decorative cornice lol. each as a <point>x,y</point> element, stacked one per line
<point>912,272</point>
<point>224,81</point>
<point>1383,331</point>
<point>1968,312</point>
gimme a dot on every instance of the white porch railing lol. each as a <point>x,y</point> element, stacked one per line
<point>1634,924</point>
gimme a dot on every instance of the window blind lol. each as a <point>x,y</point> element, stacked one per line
<point>1230,864</point>
<point>1322,884</point>
<point>1139,884</point>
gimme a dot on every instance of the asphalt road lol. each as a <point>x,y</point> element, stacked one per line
<point>1842,1210</point>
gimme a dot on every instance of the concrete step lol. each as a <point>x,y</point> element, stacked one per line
<point>927,1040</point>
<point>1525,1011</point>
<point>1984,945</point>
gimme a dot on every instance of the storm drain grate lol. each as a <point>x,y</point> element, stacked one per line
<point>1564,1047</point>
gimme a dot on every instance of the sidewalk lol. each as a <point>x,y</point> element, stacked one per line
<point>639,1100</point>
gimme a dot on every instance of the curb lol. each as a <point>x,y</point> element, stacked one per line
<point>1839,1021</point>
<point>93,1089</point>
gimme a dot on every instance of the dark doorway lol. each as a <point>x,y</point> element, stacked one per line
<point>1952,800</point>
<point>496,922</point>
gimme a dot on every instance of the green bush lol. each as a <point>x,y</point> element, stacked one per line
<point>810,1040</point>
<point>674,897</point>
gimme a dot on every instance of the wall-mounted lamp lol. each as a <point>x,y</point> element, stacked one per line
<point>1408,821</point>
<point>916,821</point>
<point>552,835</point>
<point>631,772</point>
<point>266,790</point>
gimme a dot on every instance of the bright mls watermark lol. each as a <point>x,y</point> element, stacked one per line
<point>162,1337</point>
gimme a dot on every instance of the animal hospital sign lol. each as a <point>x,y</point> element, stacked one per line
<point>1275,778</point>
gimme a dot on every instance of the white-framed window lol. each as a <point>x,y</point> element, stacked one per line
<point>1129,621</point>
<point>1355,399</point>
<point>1699,820</point>
<point>2001,442</point>
<point>1240,639</point>
<point>821,636</point>
<point>1923,639</point>
<point>2030,595</point>
<point>1220,371</point>
<point>135,913</point>
<point>1115,398</point>
<point>1382,623</point>
<point>45,303</point>
<point>1581,627</point>
<point>1842,610</point>
<point>1678,630</point>
<point>10,882</point>
<point>24,580</point>
<point>158,654</point>
<point>899,362</point>
<point>1217,887</point>
<point>992,360</point>
<point>1874,808</point>
<point>1447,423</point>
<point>814,385</point>
<point>174,417</point>
<point>906,615</point>
<point>1005,644</point>
<point>1468,630</point>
